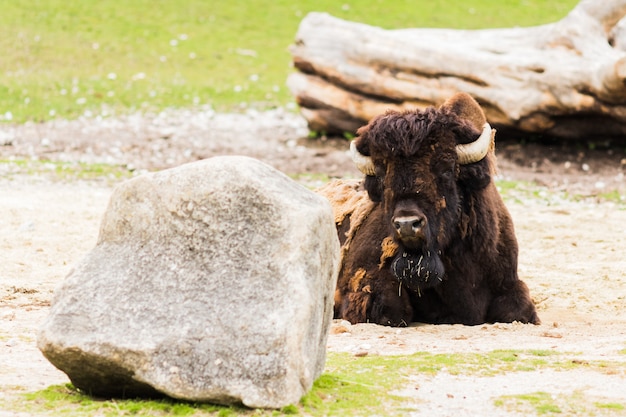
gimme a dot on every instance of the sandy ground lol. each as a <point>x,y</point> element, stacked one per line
<point>571,257</point>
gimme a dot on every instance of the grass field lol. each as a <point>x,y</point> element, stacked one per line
<point>66,58</point>
<point>356,387</point>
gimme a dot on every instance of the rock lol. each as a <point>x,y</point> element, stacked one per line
<point>209,282</point>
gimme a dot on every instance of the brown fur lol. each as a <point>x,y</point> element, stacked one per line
<point>463,267</point>
<point>389,249</point>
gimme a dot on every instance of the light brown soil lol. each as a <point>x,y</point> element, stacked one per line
<point>571,251</point>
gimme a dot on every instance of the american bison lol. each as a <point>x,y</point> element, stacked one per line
<point>426,236</point>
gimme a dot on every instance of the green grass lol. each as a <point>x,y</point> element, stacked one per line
<point>516,192</point>
<point>350,386</point>
<point>63,171</point>
<point>67,401</point>
<point>545,404</point>
<point>67,171</point>
<point>611,406</point>
<point>541,402</point>
<point>519,192</point>
<point>69,58</point>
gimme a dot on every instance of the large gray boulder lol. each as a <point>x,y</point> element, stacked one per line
<point>210,282</point>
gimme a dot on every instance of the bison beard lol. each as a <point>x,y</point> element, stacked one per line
<point>418,271</point>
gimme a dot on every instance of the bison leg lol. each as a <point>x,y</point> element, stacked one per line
<point>387,304</point>
<point>513,305</point>
<point>451,304</point>
<point>353,307</point>
<point>391,305</point>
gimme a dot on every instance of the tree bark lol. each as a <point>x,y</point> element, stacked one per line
<point>565,79</point>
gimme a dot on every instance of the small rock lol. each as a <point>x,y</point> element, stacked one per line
<point>27,226</point>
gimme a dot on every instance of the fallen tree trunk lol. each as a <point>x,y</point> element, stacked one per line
<point>566,79</point>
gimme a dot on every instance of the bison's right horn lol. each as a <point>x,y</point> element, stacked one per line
<point>476,151</point>
<point>362,162</point>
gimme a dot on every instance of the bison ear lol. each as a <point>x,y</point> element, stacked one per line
<point>464,106</point>
<point>362,140</point>
<point>374,187</point>
<point>372,184</point>
<point>475,176</point>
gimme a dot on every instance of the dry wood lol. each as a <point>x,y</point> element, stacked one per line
<point>565,79</point>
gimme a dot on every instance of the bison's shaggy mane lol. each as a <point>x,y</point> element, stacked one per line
<point>402,134</point>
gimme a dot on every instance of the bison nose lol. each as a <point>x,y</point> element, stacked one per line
<point>409,226</point>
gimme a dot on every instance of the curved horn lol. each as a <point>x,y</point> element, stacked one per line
<point>362,162</point>
<point>475,151</point>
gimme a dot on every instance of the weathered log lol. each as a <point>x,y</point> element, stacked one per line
<point>565,79</point>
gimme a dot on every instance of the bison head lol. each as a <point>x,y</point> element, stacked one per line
<point>421,166</point>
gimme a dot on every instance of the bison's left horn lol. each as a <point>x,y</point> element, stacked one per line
<point>475,151</point>
<point>362,162</point>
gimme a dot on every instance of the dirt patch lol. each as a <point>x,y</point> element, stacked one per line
<point>571,250</point>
